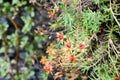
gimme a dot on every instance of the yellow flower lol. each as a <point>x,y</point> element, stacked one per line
<point>50,50</point>
<point>43,60</point>
<point>51,14</point>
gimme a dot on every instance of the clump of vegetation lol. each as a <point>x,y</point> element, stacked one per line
<point>65,58</point>
<point>60,40</point>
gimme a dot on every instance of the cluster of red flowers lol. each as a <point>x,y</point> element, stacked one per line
<point>59,58</point>
<point>61,37</point>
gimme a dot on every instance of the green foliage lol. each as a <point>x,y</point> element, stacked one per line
<point>24,41</point>
<point>96,1</point>
<point>3,28</point>
<point>92,20</point>
<point>101,71</point>
<point>28,24</point>
<point>44,75</point>
<point>18,3</point>
<point>1,1</point>
<point>11,40</point>
<point>24,75</point>
<point>4,67</point>
<point>68,18</point>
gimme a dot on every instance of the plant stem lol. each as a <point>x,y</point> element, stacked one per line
<point>17,52</point>
<point>17,44</point>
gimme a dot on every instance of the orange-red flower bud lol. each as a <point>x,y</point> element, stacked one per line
<point>48,67</point>
<point>60,36</point>
<point>72,58</point>
<point>68,44</point>
<point>81,46</point>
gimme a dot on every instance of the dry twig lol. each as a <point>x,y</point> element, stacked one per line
<point>114,14</point>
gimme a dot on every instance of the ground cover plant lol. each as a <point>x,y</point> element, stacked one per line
<point>59,40</point>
